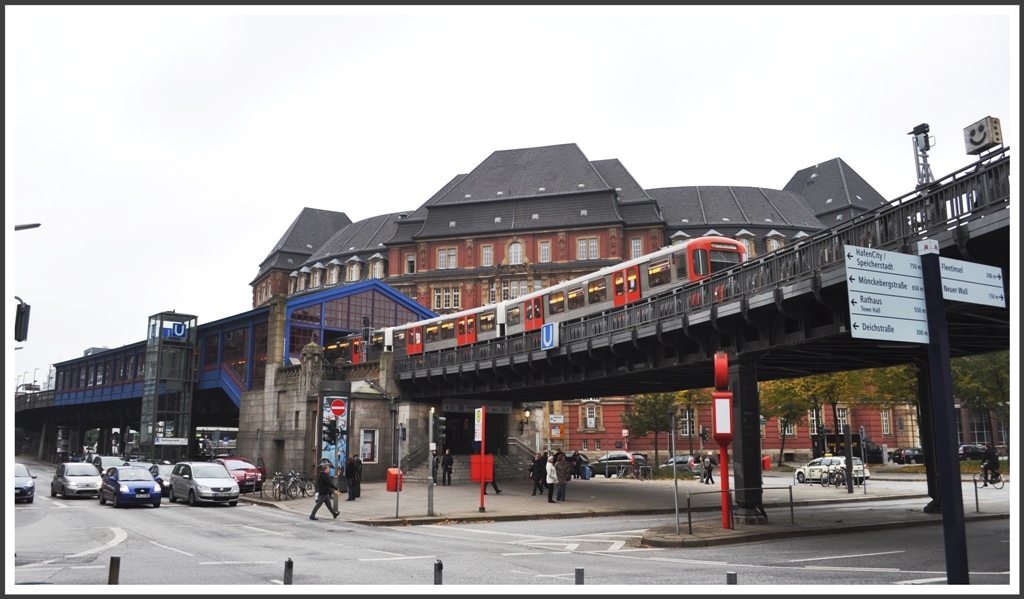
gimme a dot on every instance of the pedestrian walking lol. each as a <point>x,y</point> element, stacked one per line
<point>563,470</point>
<point>359,474</point>
<point>446,467</point>
<point>325,488</point>
<point>537,472</point>
<point>350,476</point>
<point>435,464</point>
<point>544,469</point>
<point>709,466</point>
<point>551,478</point>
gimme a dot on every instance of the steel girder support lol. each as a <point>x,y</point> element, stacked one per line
<point>746,453</point>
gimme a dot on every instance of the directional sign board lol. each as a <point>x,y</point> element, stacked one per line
<point>972,283</point>
<point>886,295</point>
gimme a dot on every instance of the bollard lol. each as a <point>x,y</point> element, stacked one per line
<point>730,578</point>
<point>579,575</point>
<point>288,571</point>
<point>438,566</point>
<point>115,569</point>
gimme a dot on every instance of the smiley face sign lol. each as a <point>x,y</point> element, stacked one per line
<point>983,135</point>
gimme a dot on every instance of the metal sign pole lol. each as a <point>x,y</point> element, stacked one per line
<point>430,465</point>
<point>398,483</point>
<point>675,477</point>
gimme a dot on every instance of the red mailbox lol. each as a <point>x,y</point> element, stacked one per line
<point>766,463</point>
<point>394,480</point>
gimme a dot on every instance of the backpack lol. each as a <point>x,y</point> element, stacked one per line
<point>707,462</point>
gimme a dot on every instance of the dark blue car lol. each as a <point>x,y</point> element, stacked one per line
<point>127,485</point>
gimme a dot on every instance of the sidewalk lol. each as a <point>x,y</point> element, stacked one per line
<point>614,497</point>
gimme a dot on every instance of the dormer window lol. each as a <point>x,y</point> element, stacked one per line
<point>354,272</point>
<point>317,279</point>
<point>773,240</point>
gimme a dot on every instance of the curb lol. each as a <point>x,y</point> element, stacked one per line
<point>655,539</point>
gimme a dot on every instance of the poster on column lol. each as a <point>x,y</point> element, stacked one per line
<point>329,453</point>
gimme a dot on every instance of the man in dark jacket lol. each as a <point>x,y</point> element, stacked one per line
<point>325,488</point>
<point>446,467</point>
<point>989,464</point>
<point>359,473</point>
<point>350,476</point>
<point>538,470</point>
<point>435,464</point>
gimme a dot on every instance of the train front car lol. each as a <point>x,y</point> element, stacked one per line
<point>709,256</point>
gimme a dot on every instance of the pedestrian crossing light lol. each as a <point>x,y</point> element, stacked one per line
<point>704,434</point>
<point>439,426</point>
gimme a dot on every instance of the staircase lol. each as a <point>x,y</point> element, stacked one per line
<point>506,467</point>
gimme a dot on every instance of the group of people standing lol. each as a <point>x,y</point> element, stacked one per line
<point>325,487</point>
<point>552,472</point>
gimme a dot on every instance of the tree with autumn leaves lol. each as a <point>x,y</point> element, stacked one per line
<point>650,413</point>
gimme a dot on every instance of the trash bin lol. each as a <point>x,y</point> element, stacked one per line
<point>766,463</point>
<point>394,479</point>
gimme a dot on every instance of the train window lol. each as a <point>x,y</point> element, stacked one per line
<point>556,303</point>
<point>659,273</point>
<point>471,325</point>
<point>722,259</point>
<point>529,310</point>
<point>487,322</point>
<point>680,258</point>
<point>399,340</point>
<point>598,290</point>
<point>377,341</point>
<point>536,307</point>
<point>576,298</point>
<point>462,327</point>
<point>416,336</point>
<point>700,262</point>
<point>448,329</point>
<point>432,333</point>
<point>345,350</point>
<point>512,316</point>
<point>631,277</point>
<point>618,282</point>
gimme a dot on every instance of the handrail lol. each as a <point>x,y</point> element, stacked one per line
<point>970,193</point>
<point>689,512</point>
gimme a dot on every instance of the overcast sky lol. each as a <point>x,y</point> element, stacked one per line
<point>166,150</point>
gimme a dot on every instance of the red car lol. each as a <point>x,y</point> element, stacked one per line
<point>250,477</point>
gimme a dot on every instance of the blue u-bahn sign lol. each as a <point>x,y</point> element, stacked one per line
<point>174,330</point>
<point>549,336</point>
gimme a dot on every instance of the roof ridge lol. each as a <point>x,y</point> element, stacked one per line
<point>700,202</point>
<point>842,177</point>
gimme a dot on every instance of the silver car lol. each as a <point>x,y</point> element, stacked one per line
<point>202,482</point>
<point>684,463</point>
<point>76,479</point>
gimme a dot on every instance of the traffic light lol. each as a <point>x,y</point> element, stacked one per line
<point>704,434</point>
<point>21,321</point>
<point>439,426</point>
<point>325,431</point>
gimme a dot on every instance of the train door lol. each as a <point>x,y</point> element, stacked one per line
<point>414,340</point>
<point>466,329</point>
<point>626,285</point>
<point>534,314</point>
<point>357,350</point>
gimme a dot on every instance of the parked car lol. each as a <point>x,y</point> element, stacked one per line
<point>75,479</point>
<point>162,474</point>
<point>249,477</point>
<point>811,471</point>
<point>105,462</point>
<point>203,482</point>
<point>908,455</point>
<point>127,485</point>
<point>609,463</point>
<point>684,462</point>
<point>972,452</point>
<point>24,485</point>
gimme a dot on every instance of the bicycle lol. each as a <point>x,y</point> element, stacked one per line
<point>995,479</point>
<point>833,476</point>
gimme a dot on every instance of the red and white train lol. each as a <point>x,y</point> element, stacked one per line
<point>619,285</point>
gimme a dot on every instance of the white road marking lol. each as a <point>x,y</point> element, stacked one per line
<point>232,562</point>
<point>922,581</point>
<point>172,549</point>
<point>849,569</point>
<point>384,552</point>
<point>573,574</point>
<point>616,546</point>
<point>87,567</point>
<point>527,553</point>
<point>277,581</point>
<point>385,559</point>
<point>119,536</point>
<point>814,559</point>
<point>57,503</point>
<point>571,546</point>
<point>283,534</point>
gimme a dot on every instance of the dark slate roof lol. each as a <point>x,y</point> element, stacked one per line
<point>703,207</point>
<point>834,180</point>
<point>517,215</point>
<point>310,229</point>
<point>411,224</point>
<point>619,179</point>
<point>521,173</point>
<point>366,236</point>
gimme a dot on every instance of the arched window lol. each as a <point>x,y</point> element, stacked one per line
<point>316,278</point>
<point>515,253</point>
<point>353,271</point>
<point>378,269</point>
<point>332,275</point>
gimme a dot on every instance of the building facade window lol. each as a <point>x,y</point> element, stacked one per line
<point>597,445</point>
<point>410,264</point>
<point>515,253</point>
<point>636,247</point>
<point>378,269</point>
<point>354,272</point>
<point>749,244</point>
<point>545,251</point>
<point>981,430</point>
<point>446,298</point>
<point>812,421</point>
<point>581,249</point>
<point>592,244</point>
<point>292,285</point>
<point>487,255</point>
<point>332,275</point>
<point>773,243</point>
<point>886,430</point>
<point>686,423</point>
<point>447,258</point>
<point>492,293</point>
<point>789,429</point>
<point>841,425</point>
<point>368,447</point>
<point>303,281</point>
<point>583,445</point>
